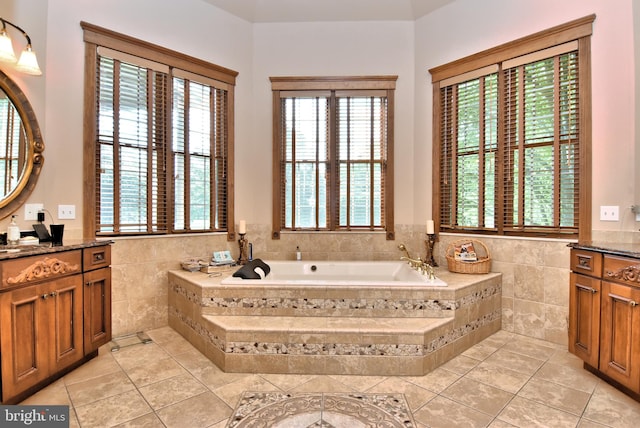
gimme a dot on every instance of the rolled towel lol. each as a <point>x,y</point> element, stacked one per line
<point>255,269</point>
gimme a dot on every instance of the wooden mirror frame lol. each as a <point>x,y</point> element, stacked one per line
<point>35,146</point>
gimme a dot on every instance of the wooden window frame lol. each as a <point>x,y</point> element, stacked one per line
<point>96,37</point>
<point>280,86</point>
<point>579,30</point>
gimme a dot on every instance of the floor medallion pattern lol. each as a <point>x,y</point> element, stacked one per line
<point>321,410</point>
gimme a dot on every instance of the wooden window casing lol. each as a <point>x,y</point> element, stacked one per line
<point>184,173</point>
<point>507,134</point>
<point>349,123</point>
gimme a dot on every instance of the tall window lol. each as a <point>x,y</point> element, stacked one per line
<point>160,145</point>
<point>512,137</point>
<point>333,145</point>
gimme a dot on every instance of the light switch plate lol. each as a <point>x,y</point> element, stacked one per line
<point>66,212</point>
<point>610,213</point>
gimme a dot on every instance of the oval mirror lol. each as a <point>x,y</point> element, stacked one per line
<point>21,147</point>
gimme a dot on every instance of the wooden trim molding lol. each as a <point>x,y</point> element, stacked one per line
<point>301,83</point>
<point>557,35</point>
<point>113,40</point>
<point>43,269</point>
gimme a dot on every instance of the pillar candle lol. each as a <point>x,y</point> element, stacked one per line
<point>242,228</point>
<point>430,227</point>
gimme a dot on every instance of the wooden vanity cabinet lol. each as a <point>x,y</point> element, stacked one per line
<point>97,297</point>
<point>584,318</point>
<point>620,321</point>
<point>41,332</point>
<point>44,316</point>
<point>604,316</point>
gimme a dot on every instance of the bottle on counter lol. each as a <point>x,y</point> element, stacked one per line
<point>13,232</point>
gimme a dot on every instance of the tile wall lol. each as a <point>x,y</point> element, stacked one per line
<point>535,272</point>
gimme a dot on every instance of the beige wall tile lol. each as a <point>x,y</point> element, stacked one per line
<point>533,270</point>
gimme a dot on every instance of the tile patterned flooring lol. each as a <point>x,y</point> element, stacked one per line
<point>505,381</point>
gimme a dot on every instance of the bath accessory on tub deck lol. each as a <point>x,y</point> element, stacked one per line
<point>254,269</point>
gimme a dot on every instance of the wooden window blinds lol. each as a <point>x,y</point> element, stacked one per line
<point>162,140</point>
<point>512,138</point>
<point>333,148</point>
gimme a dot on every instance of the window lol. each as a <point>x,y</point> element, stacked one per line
<point>512,137</point>
<point>159,145</point>
<point>12,144</point>
<point>333,146</point>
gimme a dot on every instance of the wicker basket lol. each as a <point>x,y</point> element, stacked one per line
<point>482,265</point>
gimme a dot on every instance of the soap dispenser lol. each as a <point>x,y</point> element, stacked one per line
<point>13,232</point>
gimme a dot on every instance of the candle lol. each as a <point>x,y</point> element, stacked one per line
<point>430,227</point>
<point>242,228</point>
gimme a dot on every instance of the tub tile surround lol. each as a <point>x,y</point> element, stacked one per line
<point>339,330</point>
<point>140,283</point>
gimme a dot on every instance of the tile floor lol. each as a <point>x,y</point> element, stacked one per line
<point>505,381</point>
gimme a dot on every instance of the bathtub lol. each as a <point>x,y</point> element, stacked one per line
<point>341,273</point>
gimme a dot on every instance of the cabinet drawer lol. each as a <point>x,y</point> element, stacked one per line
<point>96,257</point>
<point>622,270</point>
<point>586,262</point>
<point>35,269</point>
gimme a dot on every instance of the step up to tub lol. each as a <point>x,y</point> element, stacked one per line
<point>339,345</point>
<point>320,330</point>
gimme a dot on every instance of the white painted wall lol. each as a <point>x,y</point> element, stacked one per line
<point>465,27</point>
<point>258,51</point>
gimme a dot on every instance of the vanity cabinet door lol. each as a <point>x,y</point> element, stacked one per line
<point>23,337</point>
<point>97,309</point>
<point>620,337</point>
<point>65,301</point>
<point>41,332</point>
<point>584,318</point>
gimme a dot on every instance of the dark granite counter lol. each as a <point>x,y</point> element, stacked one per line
<point>16,251</point>
<point>612,248</point>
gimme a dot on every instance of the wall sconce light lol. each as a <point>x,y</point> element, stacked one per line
<point>28,63</point>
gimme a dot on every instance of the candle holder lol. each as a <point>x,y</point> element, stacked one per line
<point>430,242</point>
<point>242,244</point>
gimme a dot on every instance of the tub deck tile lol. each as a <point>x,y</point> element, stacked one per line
<point>277,329</point>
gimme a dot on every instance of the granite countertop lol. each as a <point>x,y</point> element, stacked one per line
<point>9,251</point>
<point>613,248</point>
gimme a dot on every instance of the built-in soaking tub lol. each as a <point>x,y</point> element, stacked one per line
<point>341,273</point>
<point>347,317</point>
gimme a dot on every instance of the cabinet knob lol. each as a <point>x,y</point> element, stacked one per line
<point>54,294</point>
<point>45,296</point>
<point>633,303</point>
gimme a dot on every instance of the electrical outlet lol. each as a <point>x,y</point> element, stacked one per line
<point>610,213</point>
<point>66,212</point>
<point>31,211</point>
